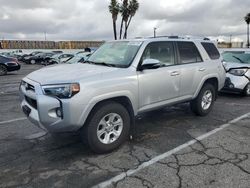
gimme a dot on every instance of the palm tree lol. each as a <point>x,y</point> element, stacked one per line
<point>114,10</point>
<point>125,15</point>
<point>247,19</point>
<point>132,8</point>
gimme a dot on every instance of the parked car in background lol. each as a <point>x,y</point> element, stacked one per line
<point>237,64</point>
<point>122,79</point>
<point>11,54</point>
<point>8,64</point>
<point>78,58</point>
<point>57,59</point>
<point>57,51</point>
<point>26,57</point>
<point>40,58</point>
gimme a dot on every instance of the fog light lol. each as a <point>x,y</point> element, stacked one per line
<point>59,112</point>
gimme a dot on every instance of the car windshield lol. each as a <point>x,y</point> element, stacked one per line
<point>56,56</point>
<point>236,57</point>
<point>117,54</point>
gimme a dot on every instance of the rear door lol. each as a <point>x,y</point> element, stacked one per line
<point>192,67</point>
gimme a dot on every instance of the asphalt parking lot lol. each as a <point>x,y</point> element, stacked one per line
<point>172,148</point>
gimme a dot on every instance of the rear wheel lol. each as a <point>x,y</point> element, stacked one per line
<point>3,70</point>
<point>246,91</point>
<point>204,102</point>
<point>107,128</point>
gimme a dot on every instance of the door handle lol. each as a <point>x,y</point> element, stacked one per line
<point>202,69</point>
<point>175,73</point>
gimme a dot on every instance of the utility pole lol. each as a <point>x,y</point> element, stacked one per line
<point>248,35</point>
<point>230,41</point>
<point>155,32</point>
<point>45,35</point>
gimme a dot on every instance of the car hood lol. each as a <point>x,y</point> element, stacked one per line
<point>68,73</point>
<point>229,65</point>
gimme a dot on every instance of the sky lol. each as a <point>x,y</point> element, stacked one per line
<point>91,20</point>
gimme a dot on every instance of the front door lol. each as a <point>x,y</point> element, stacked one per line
<point>161,84</point>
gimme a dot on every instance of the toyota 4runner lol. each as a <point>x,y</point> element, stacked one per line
<point>122,79</point>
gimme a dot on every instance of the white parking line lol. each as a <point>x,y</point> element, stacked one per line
<point>13,120</point>
<point>167,154</point>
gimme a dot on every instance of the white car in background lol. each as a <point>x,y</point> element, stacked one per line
<point>79,58</point>
<point>237,64</point>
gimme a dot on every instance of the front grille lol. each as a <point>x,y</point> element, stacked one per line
<point>31,102</point>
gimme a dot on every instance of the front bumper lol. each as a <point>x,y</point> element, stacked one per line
<point>41,110</point>
<point>235,83</point>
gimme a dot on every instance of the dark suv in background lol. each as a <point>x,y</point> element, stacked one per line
<point>8,64</point>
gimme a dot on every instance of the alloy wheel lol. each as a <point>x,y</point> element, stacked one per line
<point>207,99</point>
<point>109,128</point>
<point>248,89</point>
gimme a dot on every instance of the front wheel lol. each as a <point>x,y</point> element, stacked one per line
<point>107,127</point>
<point>33,62</point>
<point>204,102</point>
<point>246,91</point>
<point>3,70</point>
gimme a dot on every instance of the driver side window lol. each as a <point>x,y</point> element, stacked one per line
<point>161,51</point>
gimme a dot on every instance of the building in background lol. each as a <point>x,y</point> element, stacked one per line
<point>234,43</point>
<point>25,44</point>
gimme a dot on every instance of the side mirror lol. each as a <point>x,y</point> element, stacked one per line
<point>150,64</point>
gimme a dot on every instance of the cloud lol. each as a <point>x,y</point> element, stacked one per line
<point>90,19</point>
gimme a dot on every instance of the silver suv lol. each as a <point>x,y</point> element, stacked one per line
<point>122,79</point>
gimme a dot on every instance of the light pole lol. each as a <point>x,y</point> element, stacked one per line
<point>248,35</point>
<point>155,32</point>
<point>45,35</point>
<point>230,41</point>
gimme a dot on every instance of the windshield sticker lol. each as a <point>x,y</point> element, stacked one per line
<point>135,43</point>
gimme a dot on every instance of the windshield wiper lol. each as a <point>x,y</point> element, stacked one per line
<point>239,59</point>
<point>100,63</point>
<point>106,64</point>
<point>89,62</point>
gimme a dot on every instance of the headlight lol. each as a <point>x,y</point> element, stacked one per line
<point>62,91</point>
<point>238,72</point>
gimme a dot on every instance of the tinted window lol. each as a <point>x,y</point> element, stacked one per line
<point>211,50</point>
<point>162,51</point>
<point>188,53</point>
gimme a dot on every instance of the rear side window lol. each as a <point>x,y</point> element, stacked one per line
<point>211,50</point>
<point>188,53</point>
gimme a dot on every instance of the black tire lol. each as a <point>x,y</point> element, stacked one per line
<point>3,70</point>
<point>89,130</point>
<point>246,91</point>
<point>196,104</point>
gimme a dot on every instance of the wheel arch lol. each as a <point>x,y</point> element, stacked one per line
<point>123,100</point>
<point>211,80</point>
